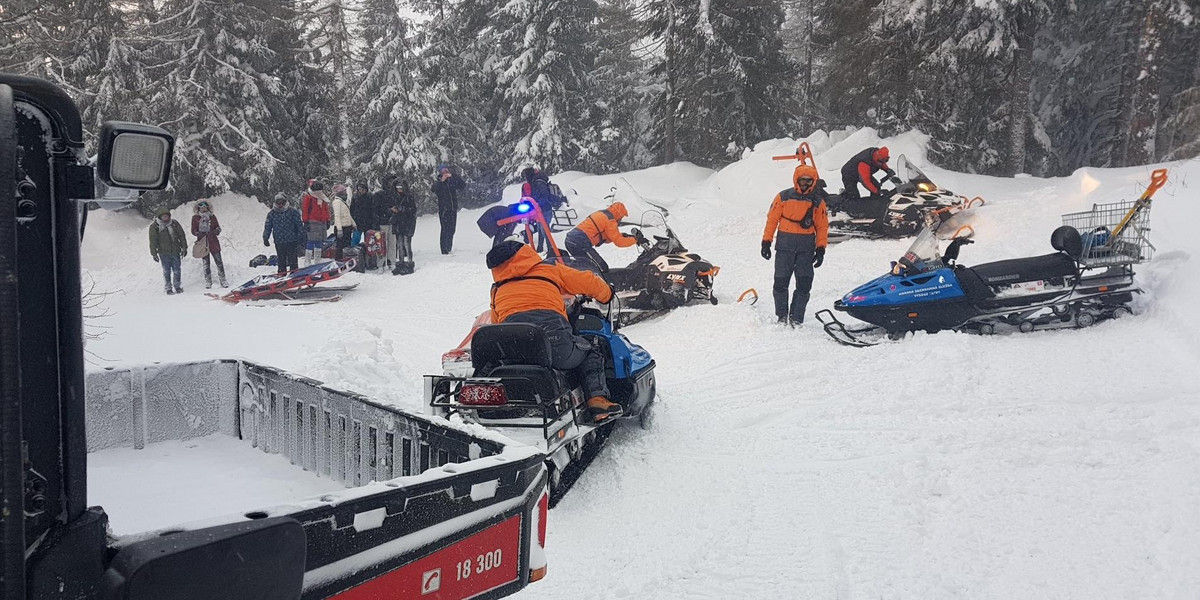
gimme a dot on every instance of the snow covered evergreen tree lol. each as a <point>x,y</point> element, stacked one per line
<point>228,81</point>
<point>544,52</point>
<point>395,131</point>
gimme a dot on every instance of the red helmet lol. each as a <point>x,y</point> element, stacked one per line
<point>881,155</point>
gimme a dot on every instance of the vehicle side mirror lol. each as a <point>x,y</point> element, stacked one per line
<point>254,560</point>
<point>135,156</point>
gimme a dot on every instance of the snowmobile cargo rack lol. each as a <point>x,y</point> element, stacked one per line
<point>423,494</point>
<point>443,391</point>
<point>1117,233</point>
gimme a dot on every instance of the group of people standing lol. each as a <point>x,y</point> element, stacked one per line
<point>391,210</point>
<point>169,244</point>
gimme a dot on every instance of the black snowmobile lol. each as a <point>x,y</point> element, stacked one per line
<point>1089,278</point>
<point>664,276</point>
<point>898,212</point>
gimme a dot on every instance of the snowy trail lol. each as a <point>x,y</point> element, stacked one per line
<point>779,464</point>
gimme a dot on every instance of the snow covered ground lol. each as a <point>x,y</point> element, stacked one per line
<point>781,465</point>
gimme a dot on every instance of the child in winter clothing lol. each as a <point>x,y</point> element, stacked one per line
<point>343,220</point>
<point>315,214</point>
<point>284,223</point>
<point>168,246</point>
<point>206,227</point>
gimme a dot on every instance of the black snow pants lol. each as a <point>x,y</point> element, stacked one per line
<point>569,352</point>
<point>449,220</point>
<point>286,256</point>
<point>579,246</point>
<point>793,259</point>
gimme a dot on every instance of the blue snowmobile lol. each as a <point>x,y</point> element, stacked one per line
<point>1089,278</point>
<point>512,388</point>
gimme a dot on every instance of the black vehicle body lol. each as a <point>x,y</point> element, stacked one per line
<point>54,545</point>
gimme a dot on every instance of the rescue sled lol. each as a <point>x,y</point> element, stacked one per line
<point>294,287</point>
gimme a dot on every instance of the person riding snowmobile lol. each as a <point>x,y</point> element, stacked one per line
<point>799,215</point>
<point>527,290</point>
<point>598,228</point>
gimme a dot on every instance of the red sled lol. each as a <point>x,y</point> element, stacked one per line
<point>294,284</point>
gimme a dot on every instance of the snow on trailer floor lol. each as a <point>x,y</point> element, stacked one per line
<point>780,465</point>
<point>174,482</point>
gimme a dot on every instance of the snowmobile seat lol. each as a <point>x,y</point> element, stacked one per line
<point>1020,270</point>
<point>518,353</point>
<point>510,344</point>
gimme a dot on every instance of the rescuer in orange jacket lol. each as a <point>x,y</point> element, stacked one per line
<point>598,228</point>
<point>527,290</point>
<point>799,215</point>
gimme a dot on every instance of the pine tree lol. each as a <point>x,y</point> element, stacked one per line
<point>545,48</point>
<point>395,131</point>
<point>226,82</point>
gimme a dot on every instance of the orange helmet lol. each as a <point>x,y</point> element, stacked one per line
<point>882,155</point>
<point>808,172</point>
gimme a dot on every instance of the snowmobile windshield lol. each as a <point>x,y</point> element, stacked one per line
<point>909,172</point>
<point>923,255</point>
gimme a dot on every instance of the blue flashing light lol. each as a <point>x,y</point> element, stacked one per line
<point>524,207</point>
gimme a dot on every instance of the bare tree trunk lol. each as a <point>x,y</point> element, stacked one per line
<point>671,103</point>
<point>1019,103</point>
<point>1144,101</point>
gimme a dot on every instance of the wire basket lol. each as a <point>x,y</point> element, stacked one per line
<point>1101,247</point>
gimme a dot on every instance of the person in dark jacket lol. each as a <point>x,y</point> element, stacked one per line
<point>168,246</point>
<point>364,209</point>
<point>448,186</point>
<point>537,186</point>
<point>285,225</point>
<point>802,221</point>
<point>206,227</point>
<point>861,168</point>
<point>402,207</point>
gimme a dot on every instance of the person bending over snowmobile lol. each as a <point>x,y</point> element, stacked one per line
<point>527,290</point>
<point>285,225</point>
<point>206,227</point>
<point>314,207</point>
<point>598,228</point>
<point>861,168</point>
<point>799,215</point>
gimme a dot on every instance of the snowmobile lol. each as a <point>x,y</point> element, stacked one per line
<point>913,196</point>
<point>509,385</point>
<point>1089,278</point>
<point>664,276</point>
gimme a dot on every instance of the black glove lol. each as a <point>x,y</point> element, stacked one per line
<point>896,180</point>
<point>637,235</point>
<point>155,257</point>
<point>766,250</point>
<point>819,258</point>
<point>266,243</point>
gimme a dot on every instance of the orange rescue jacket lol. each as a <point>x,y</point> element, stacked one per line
<point>524,283</point>
<point>601,226</point>
<point>790,207</point>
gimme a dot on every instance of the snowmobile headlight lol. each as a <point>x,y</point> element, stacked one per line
<point>855,298</point>
<point>135,156</point>
<point>926,187</point>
